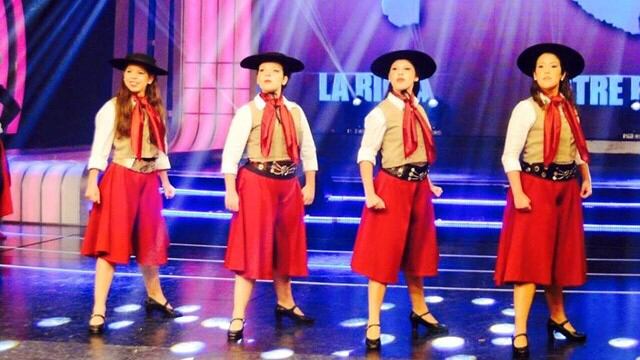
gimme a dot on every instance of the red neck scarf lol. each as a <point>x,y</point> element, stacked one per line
<point>409,133</point>
<point>552,127</point>
<point>276,110</point>
<point>156,126</point>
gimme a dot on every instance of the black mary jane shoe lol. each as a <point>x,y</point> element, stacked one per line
<point>574,336</point>
<point>150,305</point>
<point>372,344</point>
<point>235,335</point>
<point>282,311</point>
<point>97,329</point>
<point>520,352</point>
<point>436,328</point>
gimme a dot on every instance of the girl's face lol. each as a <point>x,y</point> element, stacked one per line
<point>548,73</point>
<point>136,79</point>
<point>402,75</point>
<point>271,78</point>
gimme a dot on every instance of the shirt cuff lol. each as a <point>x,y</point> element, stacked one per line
<point>227,168</point>
<point>96,163</point>
<point>366,155</point>
<point>511,165</point>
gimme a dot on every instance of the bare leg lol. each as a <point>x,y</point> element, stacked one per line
<point>555,301</point>
<point>104,276</point>
<point>415,286</point>
<point>151,277</point>
<point>522,300</point>
<point>376,297</point>
<point>284,295</point>
<point>241,294</point>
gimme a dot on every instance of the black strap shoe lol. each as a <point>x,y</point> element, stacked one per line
<point>150,305</point>
<point>282,311</point>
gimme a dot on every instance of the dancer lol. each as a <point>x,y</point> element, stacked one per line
<point>267,238</point>
<point>126,216</point>
<point>542,238</point>
<point>397,231</point>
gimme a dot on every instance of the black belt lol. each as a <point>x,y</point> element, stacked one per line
<point>409,172</point>
<point>554,172</point>
<point>273,169</point>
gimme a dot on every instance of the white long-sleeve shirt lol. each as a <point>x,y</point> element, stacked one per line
<point>240,128</point>
<point>522,119</point>
<point>103,141</point>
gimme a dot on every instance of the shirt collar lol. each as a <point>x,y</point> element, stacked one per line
<point>397,102</point>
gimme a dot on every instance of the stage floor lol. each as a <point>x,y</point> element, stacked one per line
<point>46,295</point>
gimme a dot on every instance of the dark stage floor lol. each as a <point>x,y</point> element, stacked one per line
<point>46,294</point>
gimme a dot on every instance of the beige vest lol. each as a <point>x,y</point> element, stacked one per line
<point>278,144</point>
<point>392,144</point>
<point>122,146</point>
<point>534,147</point>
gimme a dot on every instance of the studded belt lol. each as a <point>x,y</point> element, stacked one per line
<point>273,169</point>
<point>409,172</point>
<point>555,172</point>
<point>144,165</point>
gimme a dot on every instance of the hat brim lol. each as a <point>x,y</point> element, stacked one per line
<point>122,64</point>
<point>424,64</point>
<point>289,64</point>
<point>571,60</point>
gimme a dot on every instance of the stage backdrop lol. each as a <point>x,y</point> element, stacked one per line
<point>475,44</point>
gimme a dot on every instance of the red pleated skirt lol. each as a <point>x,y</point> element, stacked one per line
<point>128,221</point>
<point>546,245</point>
<point>267,234</point>
<point>6,205</point>
<point>400,237</point>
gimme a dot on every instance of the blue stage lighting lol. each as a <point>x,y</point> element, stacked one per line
<point>432,103</point>
<point>448,343</point>
<point>186,319</point>
<point>433,299</point>
<point>623,343</point>
<point>635,106</point>
<point>188,347</point>
<point>483,301</point>
<point>508,312</point>
<point>53,322</point>
<point>120,324</point>
<point>501,341</point>
<point>186,309</point>
<point>8,344</point>
<point>277,354</point>
<point>127,308</point>
<point>502,329</point>
<point>353,323</point>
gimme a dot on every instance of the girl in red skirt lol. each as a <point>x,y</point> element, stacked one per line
<point>397,231</point>
<point>542,238</point>
<point>267,238</point>
<point>126,216</point>
<point>10,108</point>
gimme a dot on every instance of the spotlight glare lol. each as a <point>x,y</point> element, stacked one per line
<point>387,306</point>
<point>483,301</point>
<point>127,308</point>
<point>448,343</point>
<point>509,312</point>
<point>357,101</point>
<point>52,322</point>
<point>433,299</point>
<point>623,343</point>
<point>188,347</point>
<point>433,102</point>
<point>635,106</point>
<point>353,323</point>
<point>501,341</point>
<point>8,344</point>
<point>119,324</point>
<point>386,339</point>
<point>277,354</point>
<point>186,319</point>
<point>185,309</point>
<point>342,353</point>
<point>502,329</point>
<point>461,357</point>
<point>216,322</point>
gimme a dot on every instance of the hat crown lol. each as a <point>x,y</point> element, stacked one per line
<point>141,57</point>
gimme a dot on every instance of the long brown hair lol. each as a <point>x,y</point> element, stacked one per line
<point>123,107</point>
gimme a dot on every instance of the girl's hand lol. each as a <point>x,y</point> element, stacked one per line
<point>308,194</point>
<point>92,193</point>
<point>232,201</point>
<point>586,190</point>
<point>436,190</point>
<point>522,201</point>
<point>169,190</point>
<point>375,202</point>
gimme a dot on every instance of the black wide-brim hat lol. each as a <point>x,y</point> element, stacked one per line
<point>570,60</point>
<point>424,64</point>
<point>289,64</point>
<point>144,60</point>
